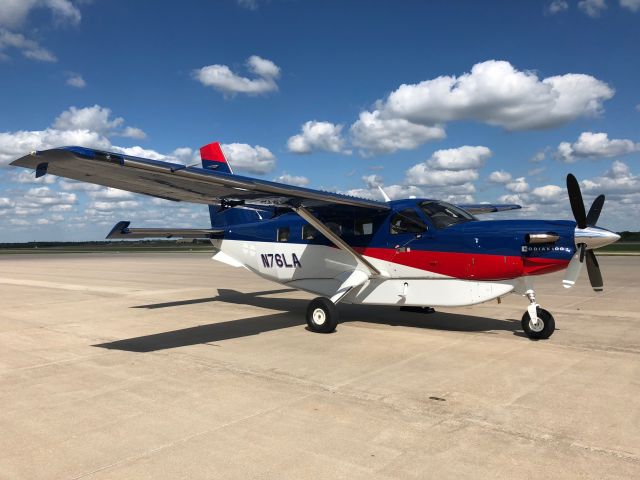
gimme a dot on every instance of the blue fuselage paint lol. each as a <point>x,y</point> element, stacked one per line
<point>489,237</point>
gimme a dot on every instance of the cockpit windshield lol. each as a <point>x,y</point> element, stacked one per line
<point>444,215</point>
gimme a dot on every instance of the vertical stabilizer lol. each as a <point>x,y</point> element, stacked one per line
<point>213,158</point>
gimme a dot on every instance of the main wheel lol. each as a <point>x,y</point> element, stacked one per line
<point>544,328</point>
<point>322,315</point>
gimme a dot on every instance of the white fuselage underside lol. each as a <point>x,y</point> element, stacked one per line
<point>321,270</point>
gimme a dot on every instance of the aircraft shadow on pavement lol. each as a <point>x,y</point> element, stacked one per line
<point>293,314</point>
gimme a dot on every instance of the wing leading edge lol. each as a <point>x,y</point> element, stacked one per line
<point>176,182</point>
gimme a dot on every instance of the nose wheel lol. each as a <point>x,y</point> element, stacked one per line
<point>540,328</point>
<point>537,323</point>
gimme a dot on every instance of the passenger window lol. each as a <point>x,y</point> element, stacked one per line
<point>283,234</point>
<point>363,226</point>
<point>309,232</point>
<point>407,221</point>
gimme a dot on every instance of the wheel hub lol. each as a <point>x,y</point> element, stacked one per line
<point>319,316</point>
<point>536,326</point>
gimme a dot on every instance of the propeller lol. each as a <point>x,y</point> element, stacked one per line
<point>587,236</point>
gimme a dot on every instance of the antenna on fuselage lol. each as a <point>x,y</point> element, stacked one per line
<point>384,194</point>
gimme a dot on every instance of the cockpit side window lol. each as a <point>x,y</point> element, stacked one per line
<point>444,214</point>
<point>406,221</point>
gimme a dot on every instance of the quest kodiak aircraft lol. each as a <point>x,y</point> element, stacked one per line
<point>411,253</point>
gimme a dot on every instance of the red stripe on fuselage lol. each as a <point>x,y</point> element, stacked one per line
<point>470,266</point>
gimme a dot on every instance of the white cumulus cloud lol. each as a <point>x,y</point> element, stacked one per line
<point>13,13</point>
<point>24,176</point>
<point>372,181</point>
<point>95,118</point>
<point>133,132</point>
<point>16,144</point>
<point>496,93</point>
<point>315,136</point>
<point>592,145</point>
<point>454,166</point>
<point>633,5</point>
<point>137,151</point>
<point>108,193</point>
<point>518,185</point>
<point>6,203</point>
<point>500,176</point>
<point>394,192</point>
<point>88,127</point>
<point>557,6</point>
<point>29,48</point>
<point>221,78</point>
<point>460,158</point>
<point>539,156</point>
<point>39,196</point>
<point>374,135</point>
<point>296,180</point>
<point>592,8</point>
<point>76,80</point>
<point>244,157</point>
<point>618,179</point>
<point>421,174</point>
<point>548,193</point>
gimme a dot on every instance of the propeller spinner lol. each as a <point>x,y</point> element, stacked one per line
<point>587,237</point>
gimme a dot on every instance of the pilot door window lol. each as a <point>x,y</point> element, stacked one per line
<point>407,221</point>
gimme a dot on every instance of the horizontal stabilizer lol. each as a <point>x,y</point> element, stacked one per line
<point>122,230</point>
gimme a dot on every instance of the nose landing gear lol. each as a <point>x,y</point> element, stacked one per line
<point>537,323</point>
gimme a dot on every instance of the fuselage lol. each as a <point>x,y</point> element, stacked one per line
<point>413,245</point>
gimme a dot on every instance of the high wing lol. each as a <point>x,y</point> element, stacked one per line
<point>122,230</point>
<point>479,208</point>
<point>173,181</point>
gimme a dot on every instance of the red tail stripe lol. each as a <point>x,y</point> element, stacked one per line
<point>213,153</point>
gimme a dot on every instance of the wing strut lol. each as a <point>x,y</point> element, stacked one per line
<point>338,242</point>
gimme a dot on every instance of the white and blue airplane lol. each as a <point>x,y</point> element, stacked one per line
<point>411,253</point>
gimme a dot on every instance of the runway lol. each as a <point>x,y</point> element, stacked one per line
<point>170,366</point>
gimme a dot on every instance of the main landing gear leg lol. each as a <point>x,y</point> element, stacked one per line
<point>322,313</point>
<point>537,322</point>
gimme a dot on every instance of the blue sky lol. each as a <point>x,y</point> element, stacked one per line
<point>468,101</point>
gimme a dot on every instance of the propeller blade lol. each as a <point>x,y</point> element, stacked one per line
<point>594,211</point>
<point>583,250</point>
<point>573,271</point>
<point>577,204</point>
<point>595,277</point>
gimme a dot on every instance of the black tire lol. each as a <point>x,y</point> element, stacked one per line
<point>548,325</point>
<point>322,315</point>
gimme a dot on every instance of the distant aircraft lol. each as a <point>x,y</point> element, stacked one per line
<point>410,253</point>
